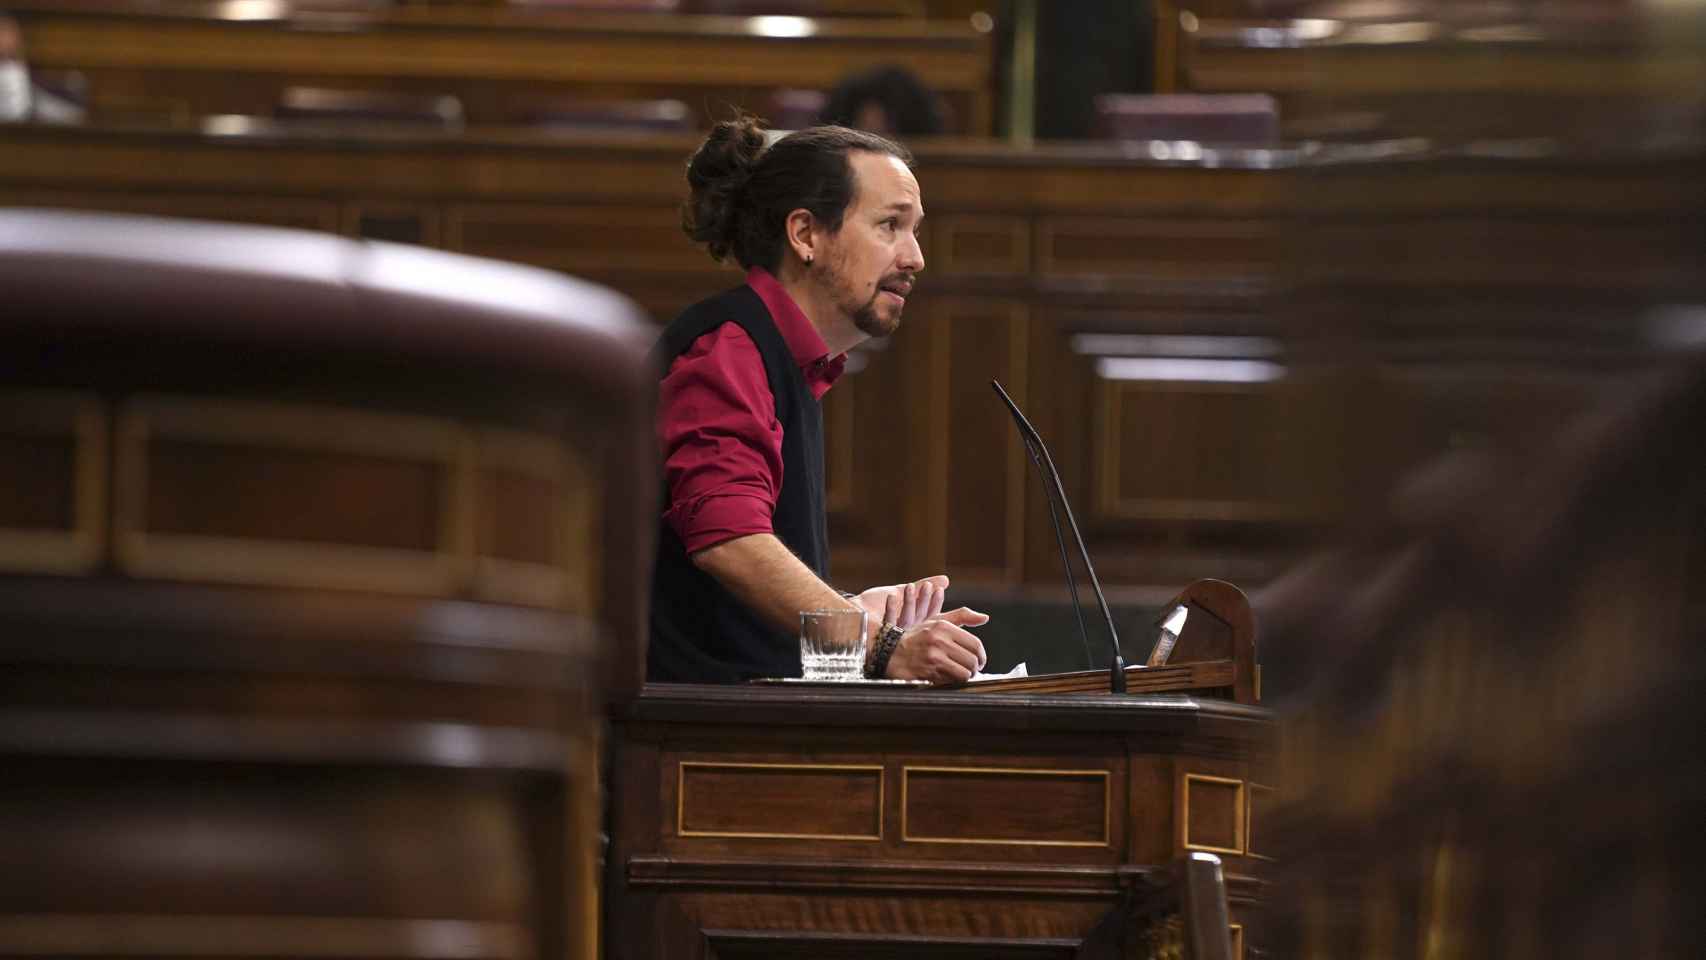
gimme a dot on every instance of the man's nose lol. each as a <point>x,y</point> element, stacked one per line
<point>911,255</point>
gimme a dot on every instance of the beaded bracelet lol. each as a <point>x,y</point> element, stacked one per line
<point>888,637</point>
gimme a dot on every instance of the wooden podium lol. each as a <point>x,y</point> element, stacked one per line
<point>998,820</point>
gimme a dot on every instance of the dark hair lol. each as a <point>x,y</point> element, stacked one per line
<point>742,192</point>
<point>913,111</point>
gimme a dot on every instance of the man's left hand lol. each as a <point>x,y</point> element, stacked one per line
<point>912,603</point>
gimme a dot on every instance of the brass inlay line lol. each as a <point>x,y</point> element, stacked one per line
<point>436,442</point>
<point>1107,805</point>
<point>681,800</point>
<point>1250,820</point>
<point>82,418</point>
<point>1237,932</point>
<point>1238,808</point>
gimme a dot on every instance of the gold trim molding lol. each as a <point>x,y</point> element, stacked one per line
<point>82,418</point>
<point>1250,819</point>
<point>681,799</point>
<point>906,835</point>
<point>1239,807</point>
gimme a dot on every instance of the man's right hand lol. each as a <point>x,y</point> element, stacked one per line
<point>940,650</point>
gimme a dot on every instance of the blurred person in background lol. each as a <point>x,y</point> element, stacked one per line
<point>888,100</point>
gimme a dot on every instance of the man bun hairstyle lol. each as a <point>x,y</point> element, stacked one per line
<point>742,192</point>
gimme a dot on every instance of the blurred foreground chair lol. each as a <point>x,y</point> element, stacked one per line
<point>318,562</point>
<point>1492,721</point>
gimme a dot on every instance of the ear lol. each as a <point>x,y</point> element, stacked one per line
<point>803,235</point>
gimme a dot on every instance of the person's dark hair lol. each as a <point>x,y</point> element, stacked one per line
<point>742,192</point>
<point>912,110</point>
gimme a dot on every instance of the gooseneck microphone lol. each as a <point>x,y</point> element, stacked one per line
<point>1057,493</point>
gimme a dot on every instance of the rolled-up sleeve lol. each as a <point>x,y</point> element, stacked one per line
<point>721,443</point>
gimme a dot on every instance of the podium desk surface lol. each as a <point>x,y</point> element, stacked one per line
<point>867,706</point>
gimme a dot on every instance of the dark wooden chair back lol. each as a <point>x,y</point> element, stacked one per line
<point>318,562</point>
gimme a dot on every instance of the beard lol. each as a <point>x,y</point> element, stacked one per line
<point>867,313</point>
<point>873,324</point>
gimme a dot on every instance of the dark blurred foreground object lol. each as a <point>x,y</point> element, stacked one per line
<point>1490,696</point>
<point>1499,751</point>
<point>1455,71</point>
<point>320,559</point>
<point>1209,118</point>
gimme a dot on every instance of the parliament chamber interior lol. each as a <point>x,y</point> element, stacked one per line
<point>1365,337</point>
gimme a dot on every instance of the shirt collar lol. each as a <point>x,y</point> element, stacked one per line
<point>803,340</point>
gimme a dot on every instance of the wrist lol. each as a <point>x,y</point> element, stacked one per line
<point>881,650</point>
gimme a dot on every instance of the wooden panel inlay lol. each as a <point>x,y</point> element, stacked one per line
<point>1188,247</point>
<point>255,492</point>
<point>1260,800</point>
<point>986,515</point>
<point>982,245</point>
<point>1213,818</point>
<point>782,800</point>
<point>1212,451</point>
<point>537,523</point>
<point>1039,807</point>
<point>1237,932</point>
<point>292,496</point>
<point>593,238</point>
<point>38,487</point>
<point>53,467</point>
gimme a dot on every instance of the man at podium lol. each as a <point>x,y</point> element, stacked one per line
<point>825,223</point>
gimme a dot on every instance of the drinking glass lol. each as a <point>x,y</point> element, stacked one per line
<point>832,644</point>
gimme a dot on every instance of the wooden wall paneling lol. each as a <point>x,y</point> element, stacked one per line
<point>579,239</point>
<point>979,453</point>
<point>840,447</point>
<point>303,213</point>
<point>536,529</point>
<point>979,245</point>
<point>868,426</point>
<point>1212,452</point>
<point>1221,249</point>
<point>1058,390</point>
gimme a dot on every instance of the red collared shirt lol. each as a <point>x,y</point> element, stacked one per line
<point>722,444</point>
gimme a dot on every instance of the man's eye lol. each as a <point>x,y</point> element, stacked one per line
<point>891,223</point>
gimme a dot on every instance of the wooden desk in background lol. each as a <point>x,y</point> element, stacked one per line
<point>1506,71</point>
<point>193,59</point>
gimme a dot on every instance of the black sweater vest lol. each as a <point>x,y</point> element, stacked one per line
<point>700,633</point>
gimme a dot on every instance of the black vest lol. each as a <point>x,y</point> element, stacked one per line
<point>700,632</point>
